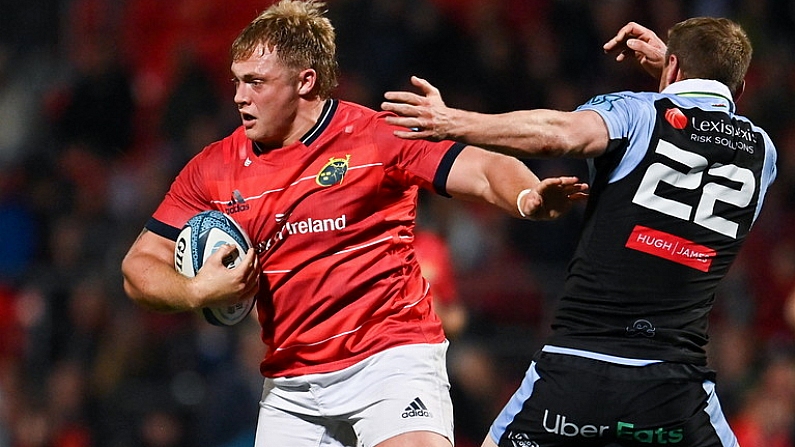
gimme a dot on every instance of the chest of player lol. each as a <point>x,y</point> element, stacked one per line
<point>308,197</point>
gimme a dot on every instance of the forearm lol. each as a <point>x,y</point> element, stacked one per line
<point>536,133</point>
<point>490,177</point>
<point>156,285</point>
<point>505,180</point>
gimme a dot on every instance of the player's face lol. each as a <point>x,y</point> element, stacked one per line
<point>267,97</point>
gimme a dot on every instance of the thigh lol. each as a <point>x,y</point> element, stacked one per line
<point>278,426</point>
<point>417,439</point>
<point>400,396</point>
<point>404,398</point>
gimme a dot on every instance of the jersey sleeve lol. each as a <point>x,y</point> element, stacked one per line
<point>624,114</point>
<point>630,119</point>
<point>418,162</point>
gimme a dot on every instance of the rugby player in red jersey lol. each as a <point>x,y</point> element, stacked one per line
<point>328,196</point>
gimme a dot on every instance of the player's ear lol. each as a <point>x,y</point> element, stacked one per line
<point>670,71</point>
<point>675,71</point>
<point>306,81</point>
<point>739,91</point>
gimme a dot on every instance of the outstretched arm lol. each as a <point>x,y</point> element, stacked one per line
<point>506,182</point>
<point>641,43</point>
<point>524,133</point>
<point>151,280</point>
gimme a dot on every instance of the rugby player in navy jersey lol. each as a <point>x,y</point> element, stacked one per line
<point>677,180</point>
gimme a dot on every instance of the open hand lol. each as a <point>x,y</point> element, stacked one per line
<point>553,197</point>
<point>641,43</point>
<point>423,115</point>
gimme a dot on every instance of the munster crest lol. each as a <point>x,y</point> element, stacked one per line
<point>333,172</point>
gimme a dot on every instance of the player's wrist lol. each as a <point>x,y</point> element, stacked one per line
<point>196,295</point>
<point>520,200</point>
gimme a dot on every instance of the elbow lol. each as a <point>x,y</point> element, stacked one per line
<point>140,299</point>
<point>569,144</point>
<point>558,145</point>
<point>132,292</point>
<point>575,135</point>
<point>148,284</point>
<point>130,283</point>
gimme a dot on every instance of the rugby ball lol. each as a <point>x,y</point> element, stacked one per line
<point>201,236</point>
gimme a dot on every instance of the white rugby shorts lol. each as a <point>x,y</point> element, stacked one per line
<point>399,390</point>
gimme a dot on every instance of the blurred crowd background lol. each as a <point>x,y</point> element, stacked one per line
<point>102,101</point>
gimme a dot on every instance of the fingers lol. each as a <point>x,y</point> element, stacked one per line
<point>403,97</point>
<point>578,196</point>
<point>561,182</point>
<point>416,129</point>
<point>426,87</point>
<point>631,30</point>
<point>250,259</point>
<point>249,275</point>
<point>652,52</point>
<point>414,135</point>
<point>428,93</point>
<point>227,278</point>
<point>404,105</point>
<point>226,254</point>
<point>637,39</point>
<point>412,124</point>
<point>617,42</point>
<point>402,109</point>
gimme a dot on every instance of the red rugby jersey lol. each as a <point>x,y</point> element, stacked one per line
<point>332,217</point>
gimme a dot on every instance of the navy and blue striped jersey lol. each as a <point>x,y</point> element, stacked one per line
<point>672,200</point>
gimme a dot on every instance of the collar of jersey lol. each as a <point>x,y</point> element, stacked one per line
<point>311,135</point>
<point>322,122</point>
<point>703,88</point>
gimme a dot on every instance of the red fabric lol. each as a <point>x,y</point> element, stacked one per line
<point>340,279</point>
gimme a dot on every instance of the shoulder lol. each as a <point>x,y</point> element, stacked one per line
<point>353,111</point>
<point>623,99</point>
<point>235,146</point>
<point>364,122</point>
<point>625,113</point>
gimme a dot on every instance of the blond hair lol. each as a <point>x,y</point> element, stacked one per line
<point>301,36</point>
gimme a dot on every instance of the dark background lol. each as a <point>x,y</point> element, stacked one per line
<point>102,101</point>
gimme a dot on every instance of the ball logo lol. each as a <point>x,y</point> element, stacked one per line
<point>180,252</point>
<point>333,172</point>
<point>676,118</point>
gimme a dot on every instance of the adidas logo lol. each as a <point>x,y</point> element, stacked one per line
<point>416,409</point>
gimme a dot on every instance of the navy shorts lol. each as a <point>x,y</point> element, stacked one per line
<point>569,400</point>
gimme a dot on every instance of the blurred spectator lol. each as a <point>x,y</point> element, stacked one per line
<point>19,224</point>
<point>767,418</point>
<point>96,108</point>
<point>18,113</point>
<point>437,268</point>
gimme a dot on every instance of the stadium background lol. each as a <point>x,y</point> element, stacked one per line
<point>101,102</point>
